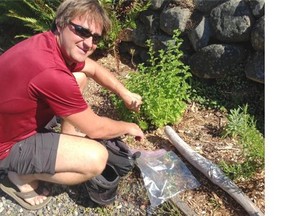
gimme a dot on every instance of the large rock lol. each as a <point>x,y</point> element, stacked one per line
<point>216,60</point>
<point>151,21</point>
<point>232,21</point>
<point>174,18</point>
<point>206,6</point>
<point>258,35</point>
<point>255,67</point>
<point>257,7</point>
<point>139,35</point>
<point>200,34</point>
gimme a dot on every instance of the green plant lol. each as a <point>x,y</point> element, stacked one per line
<point>123,15</point>
<point>163,86</point>
<point>243,127</point>
<point>36,15</point>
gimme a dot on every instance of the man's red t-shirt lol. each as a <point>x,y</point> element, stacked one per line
<point>35,85</point>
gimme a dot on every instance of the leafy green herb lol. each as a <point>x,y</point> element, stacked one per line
<point>162,84</point>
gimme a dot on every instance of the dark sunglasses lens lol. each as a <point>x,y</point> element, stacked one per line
<point>82,31</point>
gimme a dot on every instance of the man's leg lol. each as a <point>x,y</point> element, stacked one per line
<point>78,160</point>
<point>66,127</point>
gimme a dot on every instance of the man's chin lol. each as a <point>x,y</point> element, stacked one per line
<point>79,59</point>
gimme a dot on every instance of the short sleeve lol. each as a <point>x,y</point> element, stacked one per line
<point>59,90</point>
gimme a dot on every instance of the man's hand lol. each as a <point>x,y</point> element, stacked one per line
<point>132,101</point>
<point>136,131</point>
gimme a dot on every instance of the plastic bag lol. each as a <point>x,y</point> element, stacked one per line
<point>165,175</point>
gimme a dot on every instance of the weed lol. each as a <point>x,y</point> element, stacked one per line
<point>243,127</point>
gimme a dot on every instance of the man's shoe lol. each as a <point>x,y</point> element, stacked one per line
<point>102,189</point>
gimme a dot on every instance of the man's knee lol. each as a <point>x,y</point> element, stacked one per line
<point>81,155</point>
<point>99,160</point>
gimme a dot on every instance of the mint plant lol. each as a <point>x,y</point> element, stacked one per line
<point>163,85</point>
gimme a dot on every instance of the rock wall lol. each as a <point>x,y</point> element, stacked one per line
<point>218,34</point>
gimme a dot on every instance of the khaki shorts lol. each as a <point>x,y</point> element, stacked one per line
<point>36,154</point>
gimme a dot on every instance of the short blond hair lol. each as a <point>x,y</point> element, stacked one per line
<point>69,9</point>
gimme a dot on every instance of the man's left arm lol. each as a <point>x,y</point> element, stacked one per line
<point>107,79</point>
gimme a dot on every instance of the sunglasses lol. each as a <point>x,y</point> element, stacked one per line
<point>85,33</point>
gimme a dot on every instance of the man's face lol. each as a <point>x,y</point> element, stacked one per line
<point>74,47</point>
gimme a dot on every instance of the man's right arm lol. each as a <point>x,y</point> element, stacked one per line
<point>98,127</point>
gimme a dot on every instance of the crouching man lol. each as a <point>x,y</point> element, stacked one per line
<point>43,77</point>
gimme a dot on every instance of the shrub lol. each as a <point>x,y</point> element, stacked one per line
<point>36,15</point>
<point>162,84</point>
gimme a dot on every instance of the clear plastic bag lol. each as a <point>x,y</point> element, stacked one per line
<point>165,175</point>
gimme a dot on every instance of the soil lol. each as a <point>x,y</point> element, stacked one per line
<point>200,129</point>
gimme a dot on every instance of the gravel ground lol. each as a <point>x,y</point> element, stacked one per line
<point>74,201</point>
<point>64,202</point>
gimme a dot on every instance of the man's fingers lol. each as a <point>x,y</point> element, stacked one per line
<point>133,102</point>
<point>135,105</point>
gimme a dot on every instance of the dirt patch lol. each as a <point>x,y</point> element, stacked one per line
<point>200,129</point>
